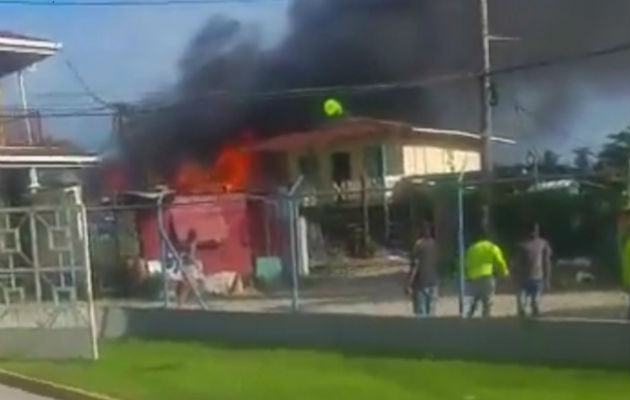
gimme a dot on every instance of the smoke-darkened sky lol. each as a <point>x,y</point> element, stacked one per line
<point>270,46</point>
<point>355,42</point>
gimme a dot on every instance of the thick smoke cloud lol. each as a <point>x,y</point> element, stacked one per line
<point>552,96</point>
<point>349,42</point>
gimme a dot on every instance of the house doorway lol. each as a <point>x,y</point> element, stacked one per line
<point>341,169</point>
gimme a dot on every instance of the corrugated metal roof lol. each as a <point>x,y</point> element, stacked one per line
<point>342,131</point>
<point>41,151</point>
<point>45,157</point>
<point>18,51</point>
<point>13,35</point>
<point>361,128</point>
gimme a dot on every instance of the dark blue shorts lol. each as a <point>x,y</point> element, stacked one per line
<point>532,287</point>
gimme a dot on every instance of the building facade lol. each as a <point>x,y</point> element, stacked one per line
<point>349,154</point>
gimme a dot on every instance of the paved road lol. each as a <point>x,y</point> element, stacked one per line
<point>15,394</point>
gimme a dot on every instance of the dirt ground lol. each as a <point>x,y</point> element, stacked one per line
<point>379,291</point>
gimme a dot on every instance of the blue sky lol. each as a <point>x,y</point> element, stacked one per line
<point>123,53</point>
<point>126,53</point>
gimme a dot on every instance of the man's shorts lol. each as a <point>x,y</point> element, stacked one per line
<point>482,288</point>
<point>532,287</point>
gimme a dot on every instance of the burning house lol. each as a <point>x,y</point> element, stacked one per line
<point>336,157</point>
<point>222,129</point>
<point>233,227</point>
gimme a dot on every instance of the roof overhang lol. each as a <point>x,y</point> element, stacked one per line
<point>464,134</point>
<point>17,53</point>
<point>52,161</point>
<point>368,128</point>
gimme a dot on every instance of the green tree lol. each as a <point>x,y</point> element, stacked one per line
<point>583,159</point>
<point>614,157</point>
<point>550,162</point>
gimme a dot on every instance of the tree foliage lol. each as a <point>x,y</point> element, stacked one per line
<point>583,159</point>
<point>614,157</point>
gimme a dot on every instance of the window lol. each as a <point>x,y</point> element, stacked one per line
<point>307,165</point>
<point>373,162</point>
<point>340,166</point>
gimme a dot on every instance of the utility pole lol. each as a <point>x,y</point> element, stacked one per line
<point>486,104</point>
<point>487,93</point>
<point>533,161</point>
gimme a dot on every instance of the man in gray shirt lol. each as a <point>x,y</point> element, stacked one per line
<point>422,282</point>
<point>532,271</point>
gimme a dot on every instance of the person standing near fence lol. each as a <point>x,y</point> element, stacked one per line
<point>422,281</point>
<point>484,261</point>
<point>532,271</point>
<point>189,269</point>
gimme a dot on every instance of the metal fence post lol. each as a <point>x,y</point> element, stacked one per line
<point>163,251</point>
<point>88,278</point>
<point>460,244</point>
<point>294,255</point>
<point>293,214</point>
<point>35,255</point>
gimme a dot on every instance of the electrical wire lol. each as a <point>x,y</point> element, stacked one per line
<point>522,111</point>
<point>322,90</point>
<point>129,3</point>
<point>88,90</point>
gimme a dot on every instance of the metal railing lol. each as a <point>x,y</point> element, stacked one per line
<point>18,128</point>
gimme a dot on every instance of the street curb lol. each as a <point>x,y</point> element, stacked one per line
<point>48,389</point>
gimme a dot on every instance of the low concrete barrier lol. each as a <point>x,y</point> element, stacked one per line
<point>588,343</point>
<point>45,343</point>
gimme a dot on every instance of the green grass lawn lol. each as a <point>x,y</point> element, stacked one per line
<point>139,370</point>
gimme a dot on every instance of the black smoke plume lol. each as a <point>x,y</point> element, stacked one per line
<point>355,42</point>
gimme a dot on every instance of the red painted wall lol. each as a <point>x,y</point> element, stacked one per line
<point>222,230</point>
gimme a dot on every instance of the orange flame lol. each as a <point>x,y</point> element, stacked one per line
<point>229,171</point>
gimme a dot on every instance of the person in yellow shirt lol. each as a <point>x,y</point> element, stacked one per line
<point>624,244</point>
<point>484,262</point>
<point>625,264</point>
<point>625,267</point>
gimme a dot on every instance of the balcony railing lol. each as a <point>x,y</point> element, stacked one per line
<point>21,128</point>
<point>346,192</point>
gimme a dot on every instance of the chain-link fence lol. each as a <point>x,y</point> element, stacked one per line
<point>224,252</point>
<point>349,252</point>
<point>367,272</point>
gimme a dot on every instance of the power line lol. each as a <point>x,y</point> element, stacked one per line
<point>544,125</point>
<point>347,89</point>
<point>620,48</point>
<point>58,94</point>
<point>56,107</point>
<point>396,85</point>
<point>321,90</point>
<point>129,3</point>
<point>77,76</point>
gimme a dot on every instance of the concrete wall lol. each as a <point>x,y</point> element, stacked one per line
<point>542,342</point>
<point>45,343</point>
